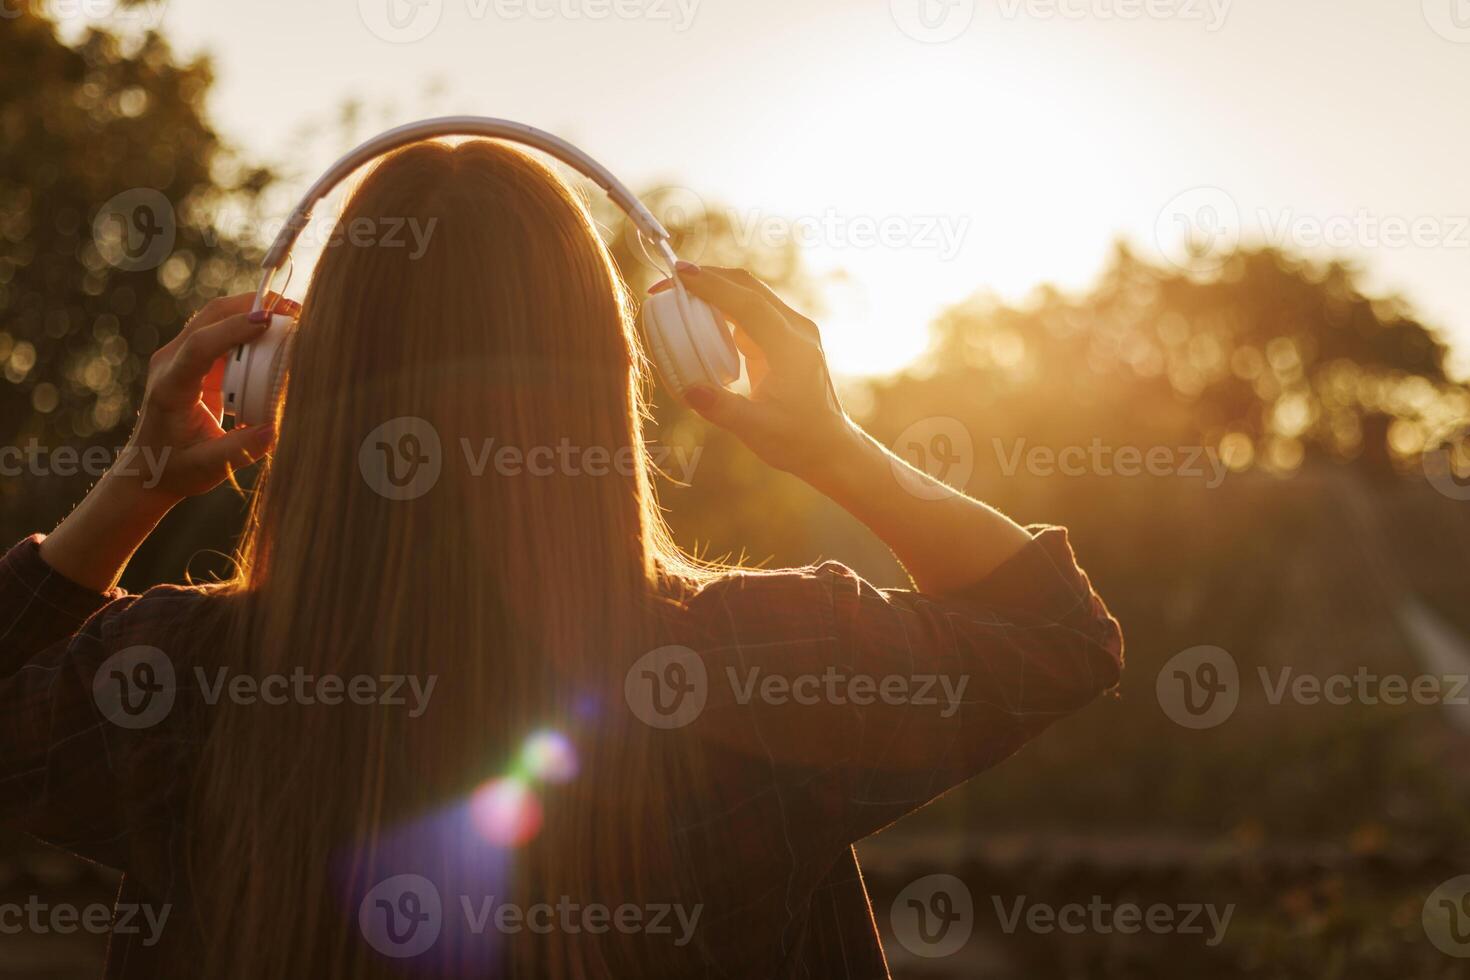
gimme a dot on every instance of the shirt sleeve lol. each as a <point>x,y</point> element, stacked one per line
<point>56,775</point>
<point>39,606</point>
<point>877,701</point>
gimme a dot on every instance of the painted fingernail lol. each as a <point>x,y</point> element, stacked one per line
<point>259,316</point>
<point>262,435</point>
<point>688,268</point>
<point>660,286</point>
<point>699,398</point>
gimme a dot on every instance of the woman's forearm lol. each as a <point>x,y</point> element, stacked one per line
<point>92,546</point>
<point>179,426</point>
<point>945,540</point>
<point>793,420</point>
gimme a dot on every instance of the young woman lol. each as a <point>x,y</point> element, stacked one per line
<point>238,749</point>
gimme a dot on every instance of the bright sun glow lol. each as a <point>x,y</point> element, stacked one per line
<point>914,174</point>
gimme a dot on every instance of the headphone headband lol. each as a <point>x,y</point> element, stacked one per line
<point>515,132</point>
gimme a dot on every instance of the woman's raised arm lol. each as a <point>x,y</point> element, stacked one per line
<point>793,421</point>
<point>179,431</point>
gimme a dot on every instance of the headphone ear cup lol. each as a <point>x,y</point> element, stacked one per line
<point>689,351</point>
<point>255,374</point>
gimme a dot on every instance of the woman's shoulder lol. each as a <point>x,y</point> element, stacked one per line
<point>180,618</point>
<point>723,583</point>
<point>41,606</point>
<point>754,603</point>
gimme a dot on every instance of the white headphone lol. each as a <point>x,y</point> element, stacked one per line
<point>688,340</point>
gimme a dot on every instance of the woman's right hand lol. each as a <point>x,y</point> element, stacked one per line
<point>792,419</point>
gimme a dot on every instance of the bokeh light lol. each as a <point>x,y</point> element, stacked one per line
<point>506,812</point>
<point>549,757</point>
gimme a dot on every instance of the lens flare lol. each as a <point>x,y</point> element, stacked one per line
<point>549,757</point>
<point>506,812</point>
<point>587,707</point>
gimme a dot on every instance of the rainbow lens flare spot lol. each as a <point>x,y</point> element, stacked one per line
<point>549,758</point>
<point>506,812</point>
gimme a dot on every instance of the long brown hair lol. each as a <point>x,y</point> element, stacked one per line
<point>526,595</point>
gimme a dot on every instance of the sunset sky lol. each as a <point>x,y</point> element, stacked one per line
<point>1008,155</point>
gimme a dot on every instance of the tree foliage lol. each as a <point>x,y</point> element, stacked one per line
<point>1273,361</point>
<point>107,156</point>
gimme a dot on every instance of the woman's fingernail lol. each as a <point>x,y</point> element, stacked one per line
<point>699,398</point>
<point>259,316</point>
<point>688,268</point>
<point>262,435</point>
<point>660,286</point>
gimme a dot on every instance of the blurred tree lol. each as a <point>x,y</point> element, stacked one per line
<point>1272,361</point>
<point>111,182</point>
<point>114,192</point>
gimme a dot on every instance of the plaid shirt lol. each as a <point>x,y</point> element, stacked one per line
<point>831,709</point>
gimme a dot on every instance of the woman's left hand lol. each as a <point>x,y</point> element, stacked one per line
<point>178,448</point>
